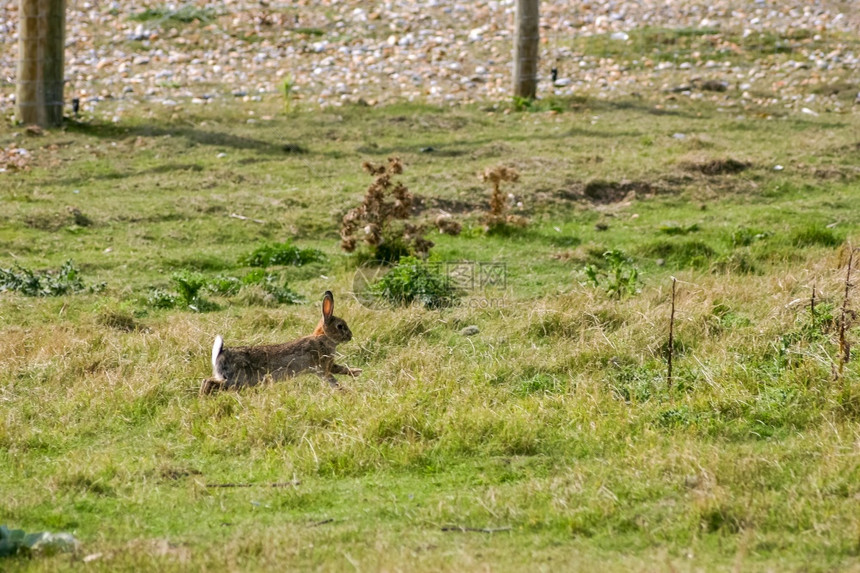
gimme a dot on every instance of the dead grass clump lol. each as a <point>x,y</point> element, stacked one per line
<point>119,320</point>
<point>14,159</point>
<point>373,222</point>
<point>498,215</point>
<point>447,225</point>
<point>604,192</point>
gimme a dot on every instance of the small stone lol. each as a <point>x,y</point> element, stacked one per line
<point>660,262</point>
<point>470,330</point>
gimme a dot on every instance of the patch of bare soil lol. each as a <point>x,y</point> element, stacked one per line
<point>717,166</point>
<point>828,172</point>
<point>420,204</point>
<point>494,149</point>
<point>603,192</point>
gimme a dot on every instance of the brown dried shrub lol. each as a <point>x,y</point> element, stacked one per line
<point>14,159</point>
<point>498,215</point>
<point>374,221</point>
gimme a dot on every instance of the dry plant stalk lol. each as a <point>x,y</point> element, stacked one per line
<point>384,202</point>
<point>812,305</point>
<point>447,225</point>
<point>497,216</point>
<point>846,316</point>
<point>671,338</point>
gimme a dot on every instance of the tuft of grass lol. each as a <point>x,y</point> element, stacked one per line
<point>745,236</point>
<point>675,229</point>
<point>680,254</point>
<point>815,236</point>
<point>184,14</point>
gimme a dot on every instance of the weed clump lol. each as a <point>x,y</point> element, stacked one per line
<point>497,218</point>
<point>17,542</point>
<point>285,253</point>
<point>682,254</point>
<point>618,275</point>
<point>189,287</point>
<point>271,285</point>
<point>744,236</point>
<point>373,222</point>
<point>66,280</point>
<point>414,280</point>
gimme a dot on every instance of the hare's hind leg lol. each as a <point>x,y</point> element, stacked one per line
<point>210,385</point>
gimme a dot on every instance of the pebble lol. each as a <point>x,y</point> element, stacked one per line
<point>336,51</point>
<point>470,330</point>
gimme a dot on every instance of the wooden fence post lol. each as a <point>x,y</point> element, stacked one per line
<point>41,45</point>
<point>526,48</point>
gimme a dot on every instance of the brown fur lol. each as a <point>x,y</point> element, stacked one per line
<point>248,365</point>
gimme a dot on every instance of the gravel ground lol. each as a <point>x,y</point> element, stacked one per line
<point>331,52</point>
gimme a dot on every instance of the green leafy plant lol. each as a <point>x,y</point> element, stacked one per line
<point>17,542</point>
<point>414,280</point>
<point>744,236</point>
<point>619,279</point>
<point>273,286</point>
<point>537,105</point>
<point>66,280</point>
<point>160,298</point>
<point>287,86</point>
<point>285,253</point>
<point>189,285</point>
<point>224,285</point>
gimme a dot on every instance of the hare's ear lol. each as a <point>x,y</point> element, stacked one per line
<point>328,305</point>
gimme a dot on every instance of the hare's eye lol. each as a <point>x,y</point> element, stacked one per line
<point>340,327</point>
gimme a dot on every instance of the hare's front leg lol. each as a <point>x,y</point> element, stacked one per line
<point>338,369</point>
<point>327,376</point>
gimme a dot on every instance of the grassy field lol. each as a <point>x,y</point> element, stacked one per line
<point>547,441</point>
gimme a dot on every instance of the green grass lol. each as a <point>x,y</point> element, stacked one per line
<point>185,14</point>
<point>649,44</point>
<point>552,425</point>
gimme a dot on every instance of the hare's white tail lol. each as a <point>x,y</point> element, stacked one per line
<point>216,352</point>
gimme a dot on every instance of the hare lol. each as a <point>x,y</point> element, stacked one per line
<point>248,365</point>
